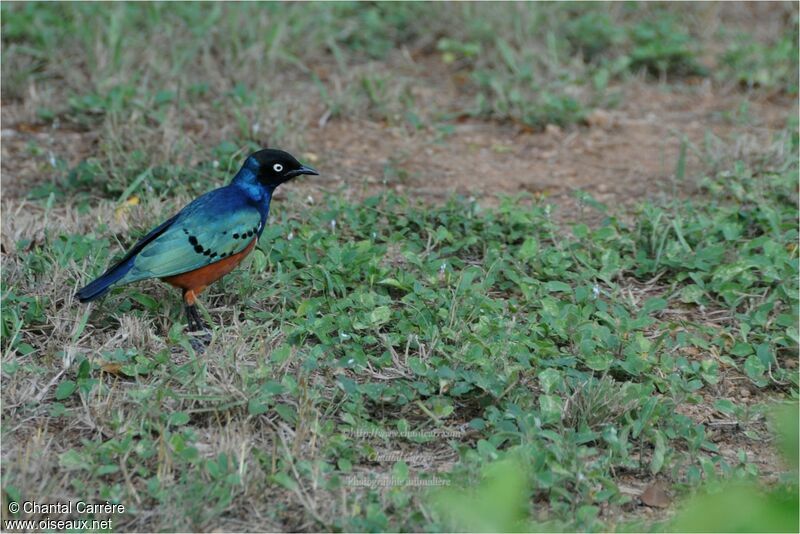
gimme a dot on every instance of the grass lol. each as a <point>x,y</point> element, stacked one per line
<point>374,349</point>
<point>494,325</point>
<point>534,64</point>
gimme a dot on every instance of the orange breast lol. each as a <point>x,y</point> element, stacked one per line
<point>196,281</point>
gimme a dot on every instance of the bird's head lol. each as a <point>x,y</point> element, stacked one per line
<point>273,167</point>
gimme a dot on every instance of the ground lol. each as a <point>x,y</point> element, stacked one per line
<point>333,328</point>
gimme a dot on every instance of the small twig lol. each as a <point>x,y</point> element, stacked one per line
<point>324,119</point>
<point>55,379</point>
<point>127,476</point>
<point>723,423</point>
<point>769,372</point>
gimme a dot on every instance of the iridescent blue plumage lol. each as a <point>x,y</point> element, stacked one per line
<point>219,224</point>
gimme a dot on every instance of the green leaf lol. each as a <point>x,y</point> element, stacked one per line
<point>558,287</point>
<point>256,407</point>
<point>285,480</point>
<point>107,469</point>
<point>692,293</point>
<point>653,305</point>
<point>57,409</point>
<point>550,380</point>
<point>259,260</point>
<point>287,412</point>
<point>755,369</point>
<point>344,465</point>
<point>393,282</point>
<point>73,460</point>
<point>147,301</point>
<point>178,418</point>
<point>765,354</point>
<point>657,462</point>
<point>65,389</point>
<point>598,361</point>
<point>551,407</point>
<point>281,354</point>
<point>417,366</point>
<point>400,471</point>
<point>380,315</point>
<point>725,406</point>
<point>529,249</point>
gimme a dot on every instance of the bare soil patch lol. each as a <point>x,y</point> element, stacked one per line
<point>622,156</point>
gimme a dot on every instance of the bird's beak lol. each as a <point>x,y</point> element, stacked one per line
<point>304,169</point>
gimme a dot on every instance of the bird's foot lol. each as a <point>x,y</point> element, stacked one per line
<point>199,343</point>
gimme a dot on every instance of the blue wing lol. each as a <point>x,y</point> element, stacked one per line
<point>216,225</point>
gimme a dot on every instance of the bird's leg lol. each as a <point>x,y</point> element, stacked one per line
<point>196,323</point>
<point>190,313</point>
<point>195,317</point>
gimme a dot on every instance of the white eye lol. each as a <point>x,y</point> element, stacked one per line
<point>277,167</point>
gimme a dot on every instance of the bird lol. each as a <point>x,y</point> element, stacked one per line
<point>208,238</point>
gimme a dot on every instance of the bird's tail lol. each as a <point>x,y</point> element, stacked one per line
<point>114,274</point>
<point>101,285</point>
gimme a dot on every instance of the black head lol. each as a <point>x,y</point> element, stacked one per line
<point>273,167</point>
